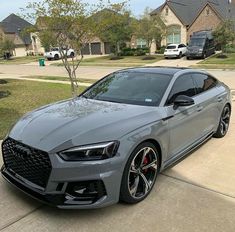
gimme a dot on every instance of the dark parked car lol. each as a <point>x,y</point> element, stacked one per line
<point>110,143</point>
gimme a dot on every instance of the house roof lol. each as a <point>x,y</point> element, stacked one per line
<point>15,24</point>
<point>188,10</point>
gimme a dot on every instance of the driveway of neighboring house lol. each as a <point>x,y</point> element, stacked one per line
<point>183,62</point>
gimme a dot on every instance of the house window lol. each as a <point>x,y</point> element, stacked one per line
<point>174,34</point>
<point>167,11</point>
<point>208,11</point>
<point>141,43</point>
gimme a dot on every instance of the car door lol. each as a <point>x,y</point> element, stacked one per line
<point>183,123</point>
<point>183,48</point>
<point>208,98</point>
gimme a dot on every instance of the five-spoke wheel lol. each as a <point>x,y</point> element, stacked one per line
<point>224,123</point>
<point>140,173</point>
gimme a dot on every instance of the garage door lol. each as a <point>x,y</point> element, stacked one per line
<point>96,49</point>
<point>86,50</point>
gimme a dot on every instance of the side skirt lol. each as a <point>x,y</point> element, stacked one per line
<point>170,162</point>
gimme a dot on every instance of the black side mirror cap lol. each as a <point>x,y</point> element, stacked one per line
<point>183,100</point>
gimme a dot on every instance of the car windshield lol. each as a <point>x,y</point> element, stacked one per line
<point>130,88</point>
<point>55,49</point>
<point>198,42</point>
<point>171,47</point>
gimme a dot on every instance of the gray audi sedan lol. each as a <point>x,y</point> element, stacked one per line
<point>112,141</point>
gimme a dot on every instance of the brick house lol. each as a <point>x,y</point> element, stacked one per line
<point>183,17</point>
<point>11,28</point>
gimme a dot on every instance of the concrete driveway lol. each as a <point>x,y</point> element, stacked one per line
<point>198,194</point>
<point>175,62</point>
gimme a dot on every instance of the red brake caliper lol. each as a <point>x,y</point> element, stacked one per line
<point>145,163</point>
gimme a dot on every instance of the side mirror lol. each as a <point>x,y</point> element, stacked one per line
<point>183,100</point>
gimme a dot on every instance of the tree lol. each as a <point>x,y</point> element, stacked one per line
<point>115,25</point>
<point>224,34</point>
<point>65,24</point>
<point>150,28</point>
<point>6,47</point>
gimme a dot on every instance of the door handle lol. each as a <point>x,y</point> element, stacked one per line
<point>219,99</point>
<point>199,108</point>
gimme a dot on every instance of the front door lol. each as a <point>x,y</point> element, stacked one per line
<point>183,125</point>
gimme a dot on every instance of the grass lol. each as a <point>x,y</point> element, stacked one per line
<point>218,63</point>
<point>20,60</point>
<point>58,78</point>
<point>127,61</point>
<point>26,96</point>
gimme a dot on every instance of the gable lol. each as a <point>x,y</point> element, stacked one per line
<point>188,10</point>
<point>169,17</point>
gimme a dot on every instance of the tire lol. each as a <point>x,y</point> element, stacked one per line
<point>180,55</point>
<point>72,55</point>
<point>223,123</point>
<point>204,56</point>
<point>138,179</point>
<point>56,57</point>
<point>49,59</point>
<point>188,58</point>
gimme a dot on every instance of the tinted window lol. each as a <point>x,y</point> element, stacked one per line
<point>131,88</point>
<point>184,85</point>
<point>203,82</point>
<point>198,42</point>
<point>171,47</point>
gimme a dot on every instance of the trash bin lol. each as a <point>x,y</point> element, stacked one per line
<point>41,62</point>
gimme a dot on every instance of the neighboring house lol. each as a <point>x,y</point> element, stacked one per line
<point>183,17</point>
<point>11,28</point>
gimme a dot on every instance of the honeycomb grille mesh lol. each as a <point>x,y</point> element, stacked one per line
<point>32,164</point>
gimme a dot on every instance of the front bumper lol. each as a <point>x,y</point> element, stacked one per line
<point>194,55</point>
<point>66,176</point>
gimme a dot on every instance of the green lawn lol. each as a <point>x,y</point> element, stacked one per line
<point>127,61</point>
<point>57,78</point>
<point>20,60</point>
<point>26,96</point>
<point>218,63</point>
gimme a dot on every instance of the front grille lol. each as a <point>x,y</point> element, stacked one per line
<point>27,162</point>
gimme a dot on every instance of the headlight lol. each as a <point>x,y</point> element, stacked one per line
<point>99,151</point>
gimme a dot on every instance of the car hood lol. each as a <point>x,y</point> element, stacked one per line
<point>81,121</point>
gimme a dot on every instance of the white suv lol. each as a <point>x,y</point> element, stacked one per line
<point>54,53</point>
<point>175,50</point>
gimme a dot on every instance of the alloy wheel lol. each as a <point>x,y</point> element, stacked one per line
<point>224,122</point>
<point>142,172</point>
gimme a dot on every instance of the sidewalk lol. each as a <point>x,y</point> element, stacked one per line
<point>22,77</point>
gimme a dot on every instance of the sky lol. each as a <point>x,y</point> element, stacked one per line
<point>13,6</point>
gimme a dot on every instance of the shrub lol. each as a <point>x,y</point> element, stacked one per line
<point>221,56</point>
<point>3,82</point>
<point>161,50</point>
<point>149,58</point>
<point>4,94</point>
<point>116,58</point>
<point>230,49</point>
<point>134,51</point>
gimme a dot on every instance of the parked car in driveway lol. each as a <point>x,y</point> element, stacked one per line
<point>175,50</point>
<point>201,45</point>
<point>111,142</point>
<point>55,53</point>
